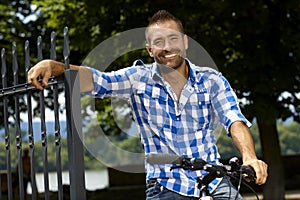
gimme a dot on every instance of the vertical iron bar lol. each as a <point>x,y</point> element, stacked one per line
<point>66,48</point>
<point>43,127</point>
<point>7,135</point>
<point>17,123</point>
<point>3,109</point>
<point>74,127</point>
<point>53,46</point>
<point>57,125</point>
<point>30,127</point>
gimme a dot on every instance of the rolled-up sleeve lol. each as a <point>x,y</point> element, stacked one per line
<point>225,103</point>
<point>115,83</point>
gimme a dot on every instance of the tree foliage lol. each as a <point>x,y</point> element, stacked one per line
<point>289,138</point>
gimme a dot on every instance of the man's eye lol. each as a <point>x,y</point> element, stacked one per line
<point>158,42</point>
<point>174,38</point>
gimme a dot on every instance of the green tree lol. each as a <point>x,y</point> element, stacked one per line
<point>11,31</point>
<point>289,138</point>
<point>256,46</point>
<point>19,23</point>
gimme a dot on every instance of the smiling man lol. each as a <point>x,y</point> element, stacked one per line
<point>173,102</point>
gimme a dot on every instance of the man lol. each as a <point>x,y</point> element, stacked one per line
<point>174,103</point>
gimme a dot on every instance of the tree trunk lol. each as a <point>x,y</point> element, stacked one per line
<point>274,188</point>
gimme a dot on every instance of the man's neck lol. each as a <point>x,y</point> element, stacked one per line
<point>176,77</point>
<point>169,73</point>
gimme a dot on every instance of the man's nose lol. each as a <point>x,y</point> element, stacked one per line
<point>167,45</point>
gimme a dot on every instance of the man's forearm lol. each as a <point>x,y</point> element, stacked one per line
<point>85,76</point>
<point>48,68</point>
<point>58,68</point>
<point>243,140</point>
<point>86,79</point>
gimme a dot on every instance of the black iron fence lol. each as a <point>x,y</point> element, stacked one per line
<point>74,128</point>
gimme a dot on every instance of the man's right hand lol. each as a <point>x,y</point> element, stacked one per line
<point>44,69</point>
<point>47,68</point>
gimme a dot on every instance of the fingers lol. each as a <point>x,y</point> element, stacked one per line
<point>33,80</point>
<point>261,170</point>
<point>39,70</point>
<point>45,79</point>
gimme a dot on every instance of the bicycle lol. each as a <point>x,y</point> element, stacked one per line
<point>233,170</point>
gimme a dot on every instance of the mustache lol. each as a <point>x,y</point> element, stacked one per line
<point>175,51</point>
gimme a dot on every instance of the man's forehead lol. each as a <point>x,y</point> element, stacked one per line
<point>158,30</point>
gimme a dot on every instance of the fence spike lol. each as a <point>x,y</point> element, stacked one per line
<point>39,48</point>
<point>27,58</point>
<point>15,63</point>
<point>3,68</point>
<point>66,47</point>
<point>53,46</point>
<point>27,55</point>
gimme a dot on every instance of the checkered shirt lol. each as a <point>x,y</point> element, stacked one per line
<point>166,125</point>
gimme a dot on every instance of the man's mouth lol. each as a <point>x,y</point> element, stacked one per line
<point>170,55</point>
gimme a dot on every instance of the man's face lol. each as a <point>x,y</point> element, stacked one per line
<point>166,44</point>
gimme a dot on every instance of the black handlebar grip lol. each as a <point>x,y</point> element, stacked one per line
<point>248,172</point>
<point>163,159</point>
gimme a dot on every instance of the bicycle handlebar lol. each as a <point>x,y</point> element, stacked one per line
<point>234,168</point>
<point>163,159</point>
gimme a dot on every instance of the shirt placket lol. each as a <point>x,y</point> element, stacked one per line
<point>182,136</point>
<point>179,135</point>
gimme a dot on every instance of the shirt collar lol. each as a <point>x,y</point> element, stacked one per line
<point>192,74</point>
<point>155,73</point>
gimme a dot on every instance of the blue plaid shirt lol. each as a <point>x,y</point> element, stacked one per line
<point>184,127</point>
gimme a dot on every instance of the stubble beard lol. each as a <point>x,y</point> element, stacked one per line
<point>174,64</point>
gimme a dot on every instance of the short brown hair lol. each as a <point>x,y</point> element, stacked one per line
<point>163,16</point>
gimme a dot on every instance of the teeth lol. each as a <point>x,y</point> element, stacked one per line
<point>170,55</point>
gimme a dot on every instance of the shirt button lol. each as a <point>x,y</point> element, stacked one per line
<point>177,118</point>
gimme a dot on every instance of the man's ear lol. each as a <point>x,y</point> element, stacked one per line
<point>186,42</point>
<point>149,49</point>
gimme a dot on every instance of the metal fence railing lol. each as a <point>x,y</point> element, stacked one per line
<point>75,147</point>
